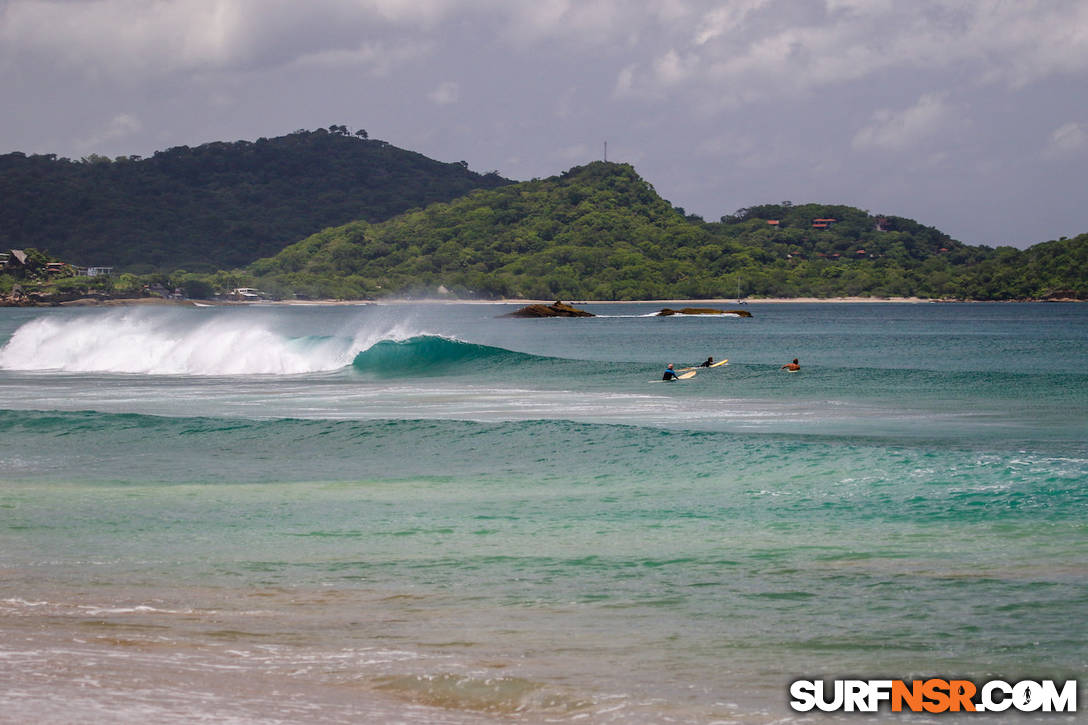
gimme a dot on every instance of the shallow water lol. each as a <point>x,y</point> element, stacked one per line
<point>422,513</point>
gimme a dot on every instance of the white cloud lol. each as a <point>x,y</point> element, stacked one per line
<point>566,21</point>
<point>896,130</point>
<point>672,69</point>
<point>744,49</point>
<point>1069,139</point>
<point>1027,41</point>
<point>137,37</point>
<point>446,93</point>
<point>754,49</point>
<point>724,20</point>
<point>428,12</point>
<point>110,36</point>
<point>625,82</point>
<point>120,126</point>
<point>126,38</point>
<point>776,44</point>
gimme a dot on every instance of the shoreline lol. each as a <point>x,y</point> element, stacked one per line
<point>725,302</point>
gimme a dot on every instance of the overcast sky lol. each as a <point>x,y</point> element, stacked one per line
<point>968,116</point>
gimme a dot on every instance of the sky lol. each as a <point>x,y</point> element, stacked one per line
<point>968,116</point>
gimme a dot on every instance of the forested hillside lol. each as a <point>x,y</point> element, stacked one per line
<point>375,220</point>
<point>218,205</point>
<point>596,231</point>
<point>602,232</point>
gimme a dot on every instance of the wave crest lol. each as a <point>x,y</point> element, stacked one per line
<point>155,344</point>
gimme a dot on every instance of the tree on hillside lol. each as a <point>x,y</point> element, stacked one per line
<point>219,204</point>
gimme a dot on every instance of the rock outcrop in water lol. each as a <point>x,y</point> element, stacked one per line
<point>556,309</point>
<point>703,311</point>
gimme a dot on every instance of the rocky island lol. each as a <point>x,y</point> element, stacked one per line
<point>556,309</point>
<point>703,311</point>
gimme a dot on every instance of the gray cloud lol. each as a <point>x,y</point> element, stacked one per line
<point>949,112</point>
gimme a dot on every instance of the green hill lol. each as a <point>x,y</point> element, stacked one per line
<point>601,232</point>
<point>412,225</point>
<point>1051,270</point>
<point>596,231</point>
<point>218,205</point>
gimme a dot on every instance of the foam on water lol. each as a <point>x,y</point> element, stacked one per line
<point>157,343</point>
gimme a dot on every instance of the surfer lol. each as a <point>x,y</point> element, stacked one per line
<point>709,362</point>
<point>791,366</point>
<point>670,374</point>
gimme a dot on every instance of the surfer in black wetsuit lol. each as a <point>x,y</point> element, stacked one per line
<point>670,374</point>
<point>708,363</point>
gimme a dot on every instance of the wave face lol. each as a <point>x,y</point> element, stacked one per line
<point>432,354</point>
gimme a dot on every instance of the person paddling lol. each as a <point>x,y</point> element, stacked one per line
<point>791,366</point>
<point>709,362</point>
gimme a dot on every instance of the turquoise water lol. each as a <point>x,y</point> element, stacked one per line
<point>424,513</point>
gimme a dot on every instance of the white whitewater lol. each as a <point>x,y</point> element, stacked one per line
<point>157,343</point>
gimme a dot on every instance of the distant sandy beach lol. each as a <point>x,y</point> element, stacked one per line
<point>683,303</point>
<point>727,303</point>
<point>90,302</point>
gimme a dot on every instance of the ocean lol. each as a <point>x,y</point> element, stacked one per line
<point>426,513</point>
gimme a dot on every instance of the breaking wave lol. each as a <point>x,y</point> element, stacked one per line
<point>139,342</point>
<point>142,342</point>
